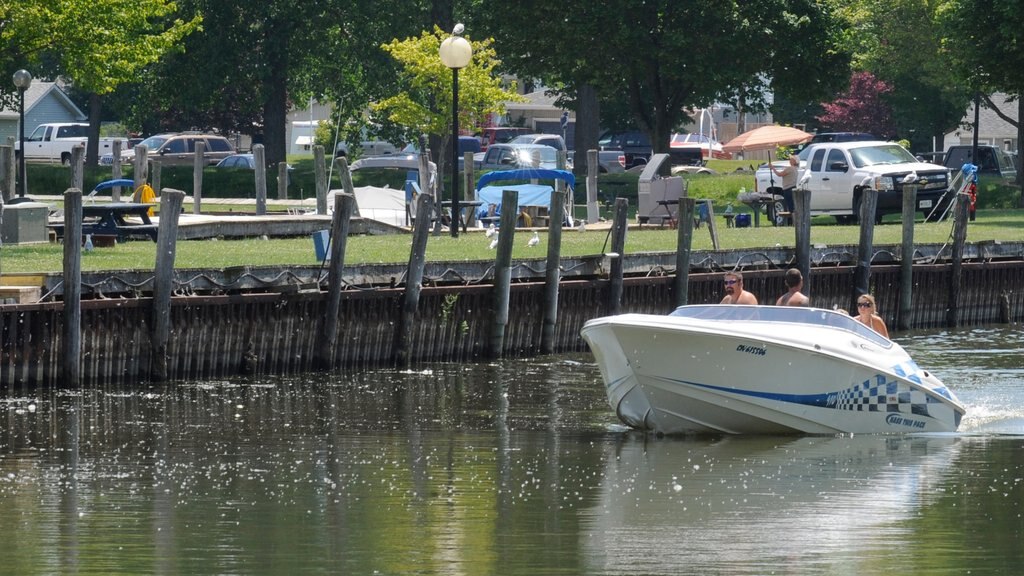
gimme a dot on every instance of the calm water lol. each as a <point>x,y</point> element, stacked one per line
<point>512,468</point>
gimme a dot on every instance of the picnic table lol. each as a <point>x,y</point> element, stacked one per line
<point>111,219</point>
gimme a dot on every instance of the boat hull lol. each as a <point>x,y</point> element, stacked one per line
<point>674,377</point>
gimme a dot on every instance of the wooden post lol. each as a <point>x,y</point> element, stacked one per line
<point>320,172</point>
<point>865,248</point>
<point>198,163</point>
<point>154,178</point>
<point>553,273</point>
<point>115,169</point>
<point>960,216</point>
<point>684,244</point>
<point>163,279</point>
<point>78,166</point>
<point>469,178</point>
<point>712,228</point>
<point>906,316</point>
<point>503,270</point>
<point>260,160</point>
<point>593,210</point>
<point>619,227</point>
<point>72,369</point>
<point>140,168</point>
<point>1004,307</point>
<point>282,180</point>
<point>344,204</point>
<point>7,171</point>
<point>413,282</point>
<point>802,232</point>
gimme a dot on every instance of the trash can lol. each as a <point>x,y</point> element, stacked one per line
<point>743,220</point>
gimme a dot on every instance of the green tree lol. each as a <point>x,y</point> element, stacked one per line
<point>424,106</point>
<point>97,44</point>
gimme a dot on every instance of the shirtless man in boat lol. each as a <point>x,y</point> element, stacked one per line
<point>793,296</point>
<point>734,292</point>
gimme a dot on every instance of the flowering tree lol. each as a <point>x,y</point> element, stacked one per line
<point>862,108</point>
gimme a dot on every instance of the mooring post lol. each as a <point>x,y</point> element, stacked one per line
<point>154,177</point>
<point>78,166</point>
<point>593,210</point>
<point>960,215</point>
<point>413,281</point>
<point>140,170</point>
<point>198,163</point>
<point>802,232</point>
<point>72,368</point>
<point>259,158</point>
<point>7,172</point>
<point>344,205</point>
<point>553,271</point>
<point>503,270</point>
<point>712,228</point>
<point>865,248</point>
<point>469,178</point>
<point>115,169</point>
<point>1004,307</point>
<point>684,244</point>
<point>320,173</point>
<point>163,279</point>
<point>619,226</point>
<point>282,180</point>
<point>906,319</point>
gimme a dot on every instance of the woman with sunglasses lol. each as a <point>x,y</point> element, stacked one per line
<point>867,315</point>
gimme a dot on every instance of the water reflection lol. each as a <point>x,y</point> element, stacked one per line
<point>512,467</point>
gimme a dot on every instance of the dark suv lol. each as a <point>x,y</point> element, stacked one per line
<point>991,160</point>
<point>634,144</point>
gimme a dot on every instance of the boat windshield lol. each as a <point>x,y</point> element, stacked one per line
<point>788,314</point>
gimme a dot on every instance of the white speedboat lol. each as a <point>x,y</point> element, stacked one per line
<point>727,369</point>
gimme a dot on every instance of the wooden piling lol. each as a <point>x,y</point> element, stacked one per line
<point>344,205</point>
<point>260,160</point>
<point>282,180</point>
<point>619,226</point>
<point>553,272</point>
<point>198,163</point>
<point>156,167</point>
<point>712,227</point>
<point>960,216</point>
<point>1004,307</point>
<point>865,248</point>
<point>684,245</point>
<point>115,169</point>
<point>78,166</point>
<point>140,168</point>
<point>413,281</point>
<point>906,311</point>
<point>503,271</point>
<point>163,279</point>
<point>593,210</point>
<point>469,178</point>
<point>7,171</point>
<point>320,173</point>
<point>72,351</point>
<point>802,234</point>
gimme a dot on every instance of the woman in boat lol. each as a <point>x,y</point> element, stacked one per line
<point>867,315</point>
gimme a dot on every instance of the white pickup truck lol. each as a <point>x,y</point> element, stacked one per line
<point>836,173</point>
<point>53,142</point>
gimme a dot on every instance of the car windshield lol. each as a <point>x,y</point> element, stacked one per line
<point>781,314</point>
<point>680,138</point>
<point>153,142</point>
<point>880,154</point>
<point>547,155</point>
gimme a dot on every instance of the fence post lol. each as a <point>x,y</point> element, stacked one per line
<point>163,278</point>
<point>684,244</point>
<point>72,369</point>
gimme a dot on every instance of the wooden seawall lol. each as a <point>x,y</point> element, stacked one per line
<point>277,333</point>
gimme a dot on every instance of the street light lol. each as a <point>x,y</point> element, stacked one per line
<point>455,52</point>
<point>22,80</point>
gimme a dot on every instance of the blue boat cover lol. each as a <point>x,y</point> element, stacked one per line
<point>527,174</point>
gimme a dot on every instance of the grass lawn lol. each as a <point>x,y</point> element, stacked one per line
<point>1003,225</point>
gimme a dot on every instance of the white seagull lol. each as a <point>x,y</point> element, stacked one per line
<point>490,230</point>
<point>583,226</point>
<point>494,242</point>
<point>535,240</point>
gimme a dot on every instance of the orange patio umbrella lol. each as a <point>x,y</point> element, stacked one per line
<point>766,137</point>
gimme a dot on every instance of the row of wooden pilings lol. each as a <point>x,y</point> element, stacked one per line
<point>327,341</point>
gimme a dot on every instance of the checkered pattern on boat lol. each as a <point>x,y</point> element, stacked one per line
<point>880,395</point>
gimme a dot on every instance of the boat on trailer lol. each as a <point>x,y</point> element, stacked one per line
<point>732,369</point>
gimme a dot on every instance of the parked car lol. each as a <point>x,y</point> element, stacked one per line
<point>499,135</point>
<point>466,144</point>
<point>178,149</point>
<point>367,148</point>
<point>991,160</point>
<point>510,156</point>
<point>635,146</point>
<point>244,162</point>
<point>553,140</point>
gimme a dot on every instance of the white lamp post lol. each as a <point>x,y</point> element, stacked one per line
<point>455,52</point>
<point>22,80</point>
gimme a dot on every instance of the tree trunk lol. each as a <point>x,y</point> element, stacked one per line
<point>275,86</point>
<point>1020,138</point>
<point>588,125</point>
<point>92,148</point>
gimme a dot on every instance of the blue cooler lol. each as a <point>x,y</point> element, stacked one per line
<point>743,220</point>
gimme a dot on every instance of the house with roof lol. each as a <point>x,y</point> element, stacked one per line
<point>992,129</point>
<point>45,102</point>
